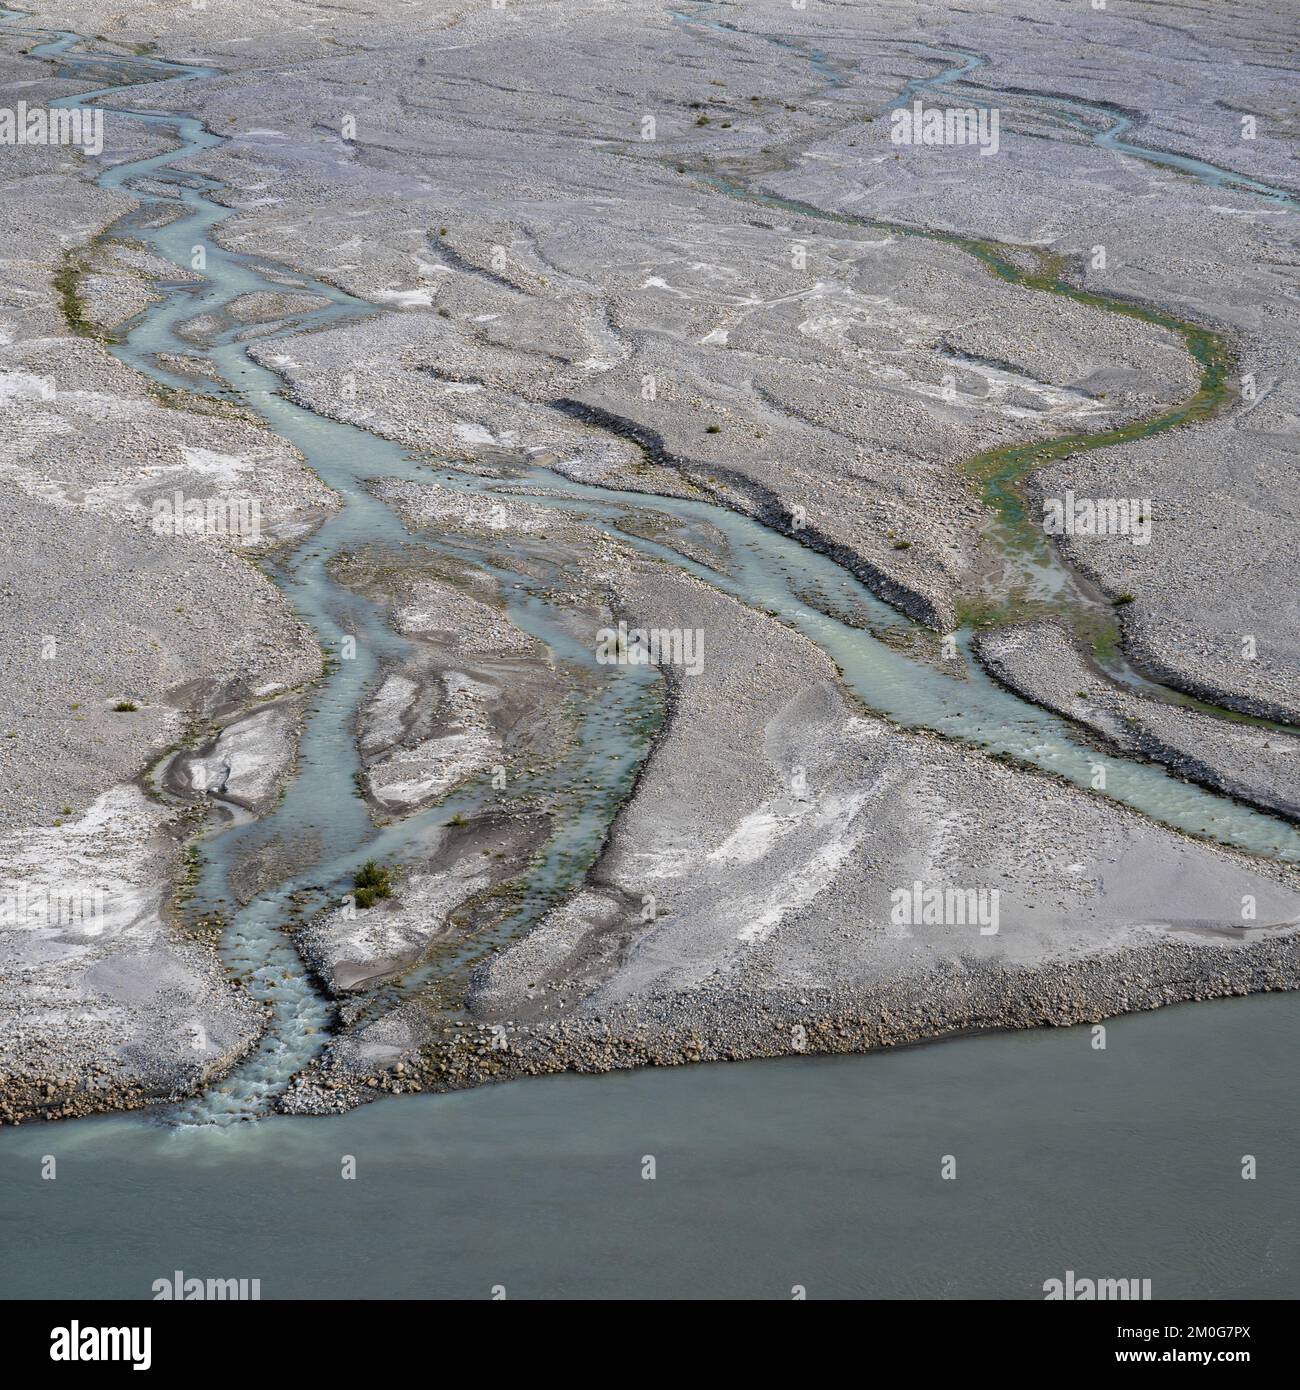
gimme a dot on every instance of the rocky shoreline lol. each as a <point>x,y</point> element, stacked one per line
<point>677,1030</point>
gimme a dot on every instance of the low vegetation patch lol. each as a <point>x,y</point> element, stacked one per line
<point>66,283</point>
<point>370,883</point>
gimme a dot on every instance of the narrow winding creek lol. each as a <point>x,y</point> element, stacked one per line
<point>559,1141</point>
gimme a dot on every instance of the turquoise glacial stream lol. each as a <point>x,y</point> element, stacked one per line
<point>821,1172</point>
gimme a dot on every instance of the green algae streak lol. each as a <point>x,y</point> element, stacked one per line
<point>1002,472</point>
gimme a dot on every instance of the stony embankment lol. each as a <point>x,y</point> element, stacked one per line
<point>717,1024</point>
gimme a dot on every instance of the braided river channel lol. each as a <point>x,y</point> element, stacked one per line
<point>813,1172</point>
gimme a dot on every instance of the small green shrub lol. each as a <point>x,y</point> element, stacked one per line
<point>370,883</point>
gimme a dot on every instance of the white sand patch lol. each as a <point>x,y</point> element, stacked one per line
<point>655,282</point>
<point>796,888</point>
<point>18,386</point>
<point>431,502</point>
<point>411,775</point>
<point>404,299</point>
<point>225,468</point>
<point>382,723</point>
<point>125,492</point>
<point>96,862</point>
<point>408,776</point>
<point>663,863</point>
<point>249,760</point>
<point>756,834</point>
